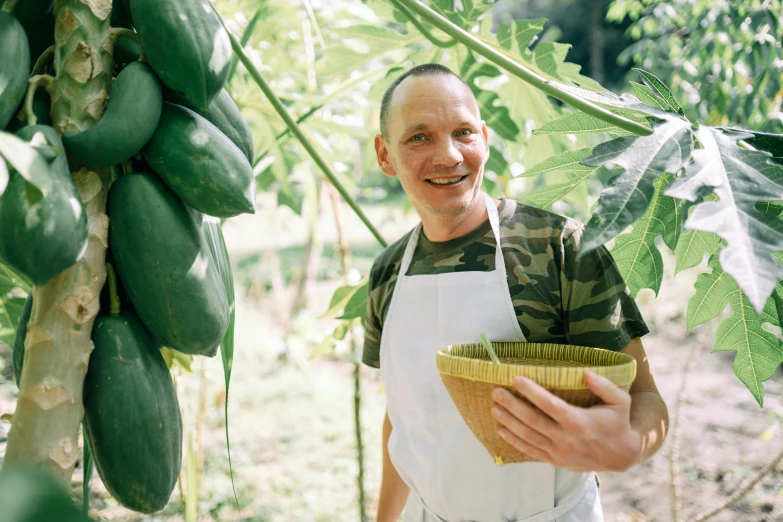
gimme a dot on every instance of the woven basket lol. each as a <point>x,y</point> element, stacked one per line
<point>470,377</point>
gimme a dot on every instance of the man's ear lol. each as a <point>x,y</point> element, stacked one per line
<point>382,152</point>
<point>485,133</point>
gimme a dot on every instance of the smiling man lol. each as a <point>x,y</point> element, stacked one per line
<point>476,264</point>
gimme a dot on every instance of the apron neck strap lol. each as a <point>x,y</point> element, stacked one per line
<point>494,222</point>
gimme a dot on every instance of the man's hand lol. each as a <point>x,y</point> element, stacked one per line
<point>599,438</point>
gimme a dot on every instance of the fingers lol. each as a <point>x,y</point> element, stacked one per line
<point>521,430</point>
<point>606,390</point>
<point>524,447</point>
<point>525,413</point>
<point>554,406</point>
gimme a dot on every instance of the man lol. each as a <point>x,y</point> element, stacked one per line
<point>476,264</point>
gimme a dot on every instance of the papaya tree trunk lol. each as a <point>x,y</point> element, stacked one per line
<point>45,425</point>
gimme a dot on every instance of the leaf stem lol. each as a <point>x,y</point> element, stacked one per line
<point>296,131</point>
<point>34,82</point>
<point>114,299</point>
<point>122,32</point>
<point>43,61</point>
<point>423,30</point>
<point>519,70</point>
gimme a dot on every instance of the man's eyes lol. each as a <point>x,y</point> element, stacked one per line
<point>418,138</point>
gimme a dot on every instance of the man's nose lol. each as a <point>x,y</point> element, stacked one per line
<point>446,153</point>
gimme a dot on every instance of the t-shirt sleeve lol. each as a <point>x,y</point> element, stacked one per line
<point>598,309</point>
<point>371,354</point>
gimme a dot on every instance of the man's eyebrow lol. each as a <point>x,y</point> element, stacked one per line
<point>417,127</point>
<point>423,126</point>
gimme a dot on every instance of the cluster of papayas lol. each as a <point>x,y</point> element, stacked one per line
<point>184,150</point>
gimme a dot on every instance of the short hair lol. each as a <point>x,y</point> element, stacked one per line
<point>425,69</point>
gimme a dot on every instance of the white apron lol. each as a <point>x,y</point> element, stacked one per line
<point>451,475</point>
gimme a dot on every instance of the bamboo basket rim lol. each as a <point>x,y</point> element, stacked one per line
<point>618,367</point>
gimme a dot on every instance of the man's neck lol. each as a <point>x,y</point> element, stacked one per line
<point>445,228</point>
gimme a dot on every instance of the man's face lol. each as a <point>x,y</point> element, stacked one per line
<point>436,144</point>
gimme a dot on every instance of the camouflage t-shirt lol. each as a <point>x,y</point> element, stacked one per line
<point>557,297</point>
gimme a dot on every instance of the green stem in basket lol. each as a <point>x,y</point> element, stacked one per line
<point>488,346</point>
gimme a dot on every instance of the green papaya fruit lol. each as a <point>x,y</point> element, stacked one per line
<point>185,44</point>
<point>200,163</point>
<point>21,334</point>
<point>43,237</point>
<point>129,121</point>
<point>165,265</point>
<point>224,114</point>
<point>14,66</point>
<point>132,419</point>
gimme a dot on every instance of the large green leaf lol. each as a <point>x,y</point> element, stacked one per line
<point>658,87</point>
<point>464,14</point>
<point>646,95</point>
<point>635,253</point>
<point>694,245</point>
<point>217,245</point>
<point>569,161</point>
<point>642,159</point>
<point>517,35</point>
<point>371,42</point>
<point>29,162</point>
<point>492,109</point>
<point>759,353</point>
<point>578,123</point>
<point>548,195</point>
<point>740,178</point>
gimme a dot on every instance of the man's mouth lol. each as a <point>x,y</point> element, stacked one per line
<point>446,181</point>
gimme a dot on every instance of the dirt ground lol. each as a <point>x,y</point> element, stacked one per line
<point>292,433</point>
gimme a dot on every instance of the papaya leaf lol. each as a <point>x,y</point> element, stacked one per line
<point>642,159</point>
<point>658,87</point>
<point>217,245</point>
<point>371,42</point>
<point>496,162</point>
<point>3,176</point>
<point>577,123</point>
<point>772,143</point>
<point>759,353</point>
<point>465,17</point>
<point>740,178</point>
<point>13,292</point>
<point>635,252</point>
<point>614,101</point>
<point>549,56</point>
<point>341,297</point>
<point>569,161</point>
<point>27,161</point>
<point>546,196</point>
<point>521,33</point>
<point>357,304</point>
<point>692,248</point>
<point>694,244</point>
<point>495,113</point>
<point>646,95</point>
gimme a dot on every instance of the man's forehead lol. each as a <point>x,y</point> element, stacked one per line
<point>432,89</point>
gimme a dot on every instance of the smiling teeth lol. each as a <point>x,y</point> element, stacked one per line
<point>445,181</point>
